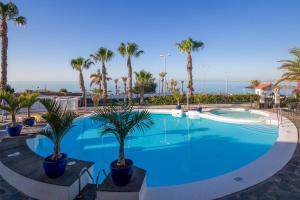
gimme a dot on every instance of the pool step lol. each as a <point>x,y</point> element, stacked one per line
<point>88,192</point>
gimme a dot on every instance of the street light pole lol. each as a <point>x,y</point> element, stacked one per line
<point>226,83</point>
<point>165,62</point>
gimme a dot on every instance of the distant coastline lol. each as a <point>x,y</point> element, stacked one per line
<point>214,87</point>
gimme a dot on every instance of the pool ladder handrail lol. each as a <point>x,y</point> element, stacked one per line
<point>85,169</point>
<point>279,116</point>
<point>98,176</point>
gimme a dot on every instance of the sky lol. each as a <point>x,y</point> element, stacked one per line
<point>243,39</point>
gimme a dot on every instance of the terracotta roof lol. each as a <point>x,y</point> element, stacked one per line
<point>263,86</point>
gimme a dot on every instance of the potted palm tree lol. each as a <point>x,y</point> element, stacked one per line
<point>12,104</point>
<point>60,121</point>
<point>177,96</point>
<point>29,98</point>
<point>122,121</point>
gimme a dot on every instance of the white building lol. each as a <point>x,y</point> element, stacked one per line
<point>265,88</point>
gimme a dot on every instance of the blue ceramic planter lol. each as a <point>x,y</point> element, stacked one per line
<point>55,168</point>
<point>29,121</point>
<point>178,107</point>
<point>121,175</point>
<point>14,130</point>
<point>199,109</point>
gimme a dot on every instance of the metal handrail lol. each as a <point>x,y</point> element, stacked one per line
<point>83,170</point>
<point>279,116</point>
<point>98,176</point>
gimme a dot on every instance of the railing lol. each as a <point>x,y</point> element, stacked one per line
<point>279,116</point>
<point>79,179</point>
<point>89,174</point>
<point>98,176</point>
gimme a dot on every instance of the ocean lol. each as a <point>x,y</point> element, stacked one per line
<point>213,87</point>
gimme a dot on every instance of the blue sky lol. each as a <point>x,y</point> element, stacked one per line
<point>243,39</point>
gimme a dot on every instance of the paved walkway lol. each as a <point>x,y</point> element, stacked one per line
<point>8,192</point>
<point>285,184</point>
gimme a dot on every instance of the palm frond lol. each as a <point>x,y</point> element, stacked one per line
<point>121,120</point>
<point>59,119</point>
<point>291,68</point>
<point>20,21</point>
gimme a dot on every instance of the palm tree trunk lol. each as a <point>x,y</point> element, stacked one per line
<point>82,87</point>
<point>56,150</point>
<point>182,88</point>
<point>28,112</point>
<point>190,75</point>
<point>100,88</point>
<point>4,39</point>
<point>129,81</point>
<point>162,85</point>
<point>125,87</point>
<point>13,119</point>
<point>116,89</point>
<point>142,95</point>
<point>158,86</point>
<point>125,92</point>
<point>121,161</point>
<point>105,96</point>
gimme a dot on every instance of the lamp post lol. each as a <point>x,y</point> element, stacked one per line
<point>165,61</point>
<point>226,87</point>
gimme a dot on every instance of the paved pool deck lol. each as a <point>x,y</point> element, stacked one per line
<point>285,184</point>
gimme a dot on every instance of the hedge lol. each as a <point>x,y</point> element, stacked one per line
<point>205,99</point>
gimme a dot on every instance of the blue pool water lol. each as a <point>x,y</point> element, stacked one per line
<point>174,151</point>
<point>236,114</point>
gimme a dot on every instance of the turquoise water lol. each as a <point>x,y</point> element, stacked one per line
<point>174,151</point>
<point>236,114</point>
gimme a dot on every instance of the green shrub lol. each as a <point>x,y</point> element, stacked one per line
<point>204,99</point>
<point>287,100</point>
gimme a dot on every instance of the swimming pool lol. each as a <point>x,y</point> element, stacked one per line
<point>174,151</point>
<point>236,113</point>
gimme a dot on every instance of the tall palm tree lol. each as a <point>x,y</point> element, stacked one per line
<point>291,68</point>
<point>143,79</point>
<point>254,83</point>
<point>173,84</point>
<point>103,56</point>
<point>8,12</point>
<point>187,46</point>
<point>124,79</point>
<point>116,85</point>
<point>96,78</point>
<point>130,50</point>
<point>79,64</point>
<point>162,76</point>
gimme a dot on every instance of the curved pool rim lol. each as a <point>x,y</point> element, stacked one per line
<point>264,116</point>
<point>251,174</point>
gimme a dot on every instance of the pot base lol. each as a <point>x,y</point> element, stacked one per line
<point>121,175</point>
<point>14,130</point>
<point>55,168</point>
